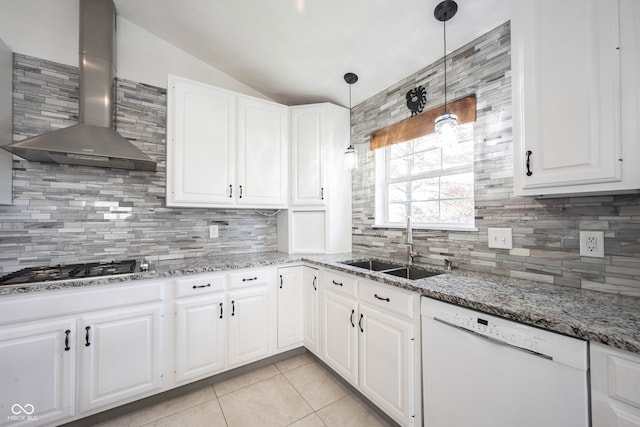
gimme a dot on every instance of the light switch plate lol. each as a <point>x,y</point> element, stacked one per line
<point>592,244</point>
<point>213,232</point>
<point>500,238</point>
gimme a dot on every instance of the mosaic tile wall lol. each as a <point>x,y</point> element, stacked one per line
<point>64,214</point>
<point>545,232</point>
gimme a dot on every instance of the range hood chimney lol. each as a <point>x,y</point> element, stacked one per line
<point>92,142</point>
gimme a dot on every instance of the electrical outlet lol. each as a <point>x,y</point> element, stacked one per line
<point>213,232</point>
<point>500,238</point>
<point>592,244</point>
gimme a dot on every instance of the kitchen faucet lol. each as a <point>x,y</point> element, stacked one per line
<point>409,242</point>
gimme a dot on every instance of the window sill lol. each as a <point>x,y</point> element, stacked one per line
<point>427,227</point>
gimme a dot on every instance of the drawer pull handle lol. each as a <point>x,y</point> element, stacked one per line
<point>241,191</point>
<point>281,281</point>
<point>230,191</point>
<point>250,279</point>
<point>315,279</point>
<point>86,336</point>
<point>529,153</point>
<point>336,283</point>
<point>380,298</point>
<point>66,340</point>
<point>202,286</point>
<point>221,310</point>
<point>321,193</point>
<point>233,308</point>
<point>351,318</point>
<point>360,322</point>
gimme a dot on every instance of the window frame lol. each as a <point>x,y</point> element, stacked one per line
<point>382,183</point>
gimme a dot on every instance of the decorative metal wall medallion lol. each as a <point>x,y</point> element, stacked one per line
<point>416,100</point>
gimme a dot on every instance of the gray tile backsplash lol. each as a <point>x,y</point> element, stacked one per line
<point>63,214</point>
<point>545,232</point>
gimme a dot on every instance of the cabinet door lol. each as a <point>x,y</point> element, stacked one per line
<point>290,304</point>
<point>307,184</point>
<point>386,361</point>
<point>310,295</point>
<point>340,335</point>
<point>37,367</point>
<point>566,94</point>
<point>201,339</point>
<point>262,153</point>
<point>200,145</point>
<point>615,390</point>
<point>249,325</point>
<point>120,355</point>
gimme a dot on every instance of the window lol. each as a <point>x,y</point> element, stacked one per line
<point>431,184</point>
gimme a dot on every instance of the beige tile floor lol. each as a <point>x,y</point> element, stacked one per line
<point>297,392</point>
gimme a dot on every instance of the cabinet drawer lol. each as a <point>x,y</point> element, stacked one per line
<point>340,283</point>
<point>199,285</point>
<point>387,298</point>
<point>247,278</point>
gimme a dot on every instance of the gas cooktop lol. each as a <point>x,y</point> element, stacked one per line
<point>68,272</point>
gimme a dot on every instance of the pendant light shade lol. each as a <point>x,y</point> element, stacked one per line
<point>446,126</point>
<point>350,155</point>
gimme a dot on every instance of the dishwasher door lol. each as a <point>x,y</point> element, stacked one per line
<point>485,371</point>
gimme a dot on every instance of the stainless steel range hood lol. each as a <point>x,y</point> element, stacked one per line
<point>92,142</point>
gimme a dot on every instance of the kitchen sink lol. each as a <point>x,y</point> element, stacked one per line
<point>410,272</point>
<point>373,264</point>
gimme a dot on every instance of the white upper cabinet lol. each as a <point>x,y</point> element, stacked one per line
<point>262,153</point>
<point>307,168</point>
<point>201,146</point>
<point>224,149</point>
<point>571,80</point>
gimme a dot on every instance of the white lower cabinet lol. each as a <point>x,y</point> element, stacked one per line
<point>310,310</point>
<point>249,325</point>
<point>339,335</point>
<point>119,355</point>
<point>615,387</point>
<point>201,337</point>
<point>223,321</point>
<point>72,353</point>
<point>368,338</point>
<point>386,361</point>
<point>37,366</point>
<point>290,306</point>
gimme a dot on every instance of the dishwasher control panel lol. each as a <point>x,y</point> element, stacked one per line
<point>495,328</point>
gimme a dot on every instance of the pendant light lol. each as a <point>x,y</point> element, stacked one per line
<point>446,126</point>
<point>351,155</point>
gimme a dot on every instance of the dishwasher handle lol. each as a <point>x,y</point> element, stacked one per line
<point>492,340</point>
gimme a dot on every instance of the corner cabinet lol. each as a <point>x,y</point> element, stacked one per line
<point>319,216</point>
<point>224,149</point>
<point>576,97</point>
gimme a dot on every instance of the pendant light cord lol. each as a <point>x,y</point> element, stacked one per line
<point>444,60</point>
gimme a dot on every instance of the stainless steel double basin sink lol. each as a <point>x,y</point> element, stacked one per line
<point>411,272</point>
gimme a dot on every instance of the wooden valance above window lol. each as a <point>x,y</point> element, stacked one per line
<point>423,124</point>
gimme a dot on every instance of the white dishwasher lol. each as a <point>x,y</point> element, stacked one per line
<point>485,371</point>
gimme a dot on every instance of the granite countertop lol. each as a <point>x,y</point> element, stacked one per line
<point>606,318</point>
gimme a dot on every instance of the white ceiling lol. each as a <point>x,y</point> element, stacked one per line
<point>297,51</point>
